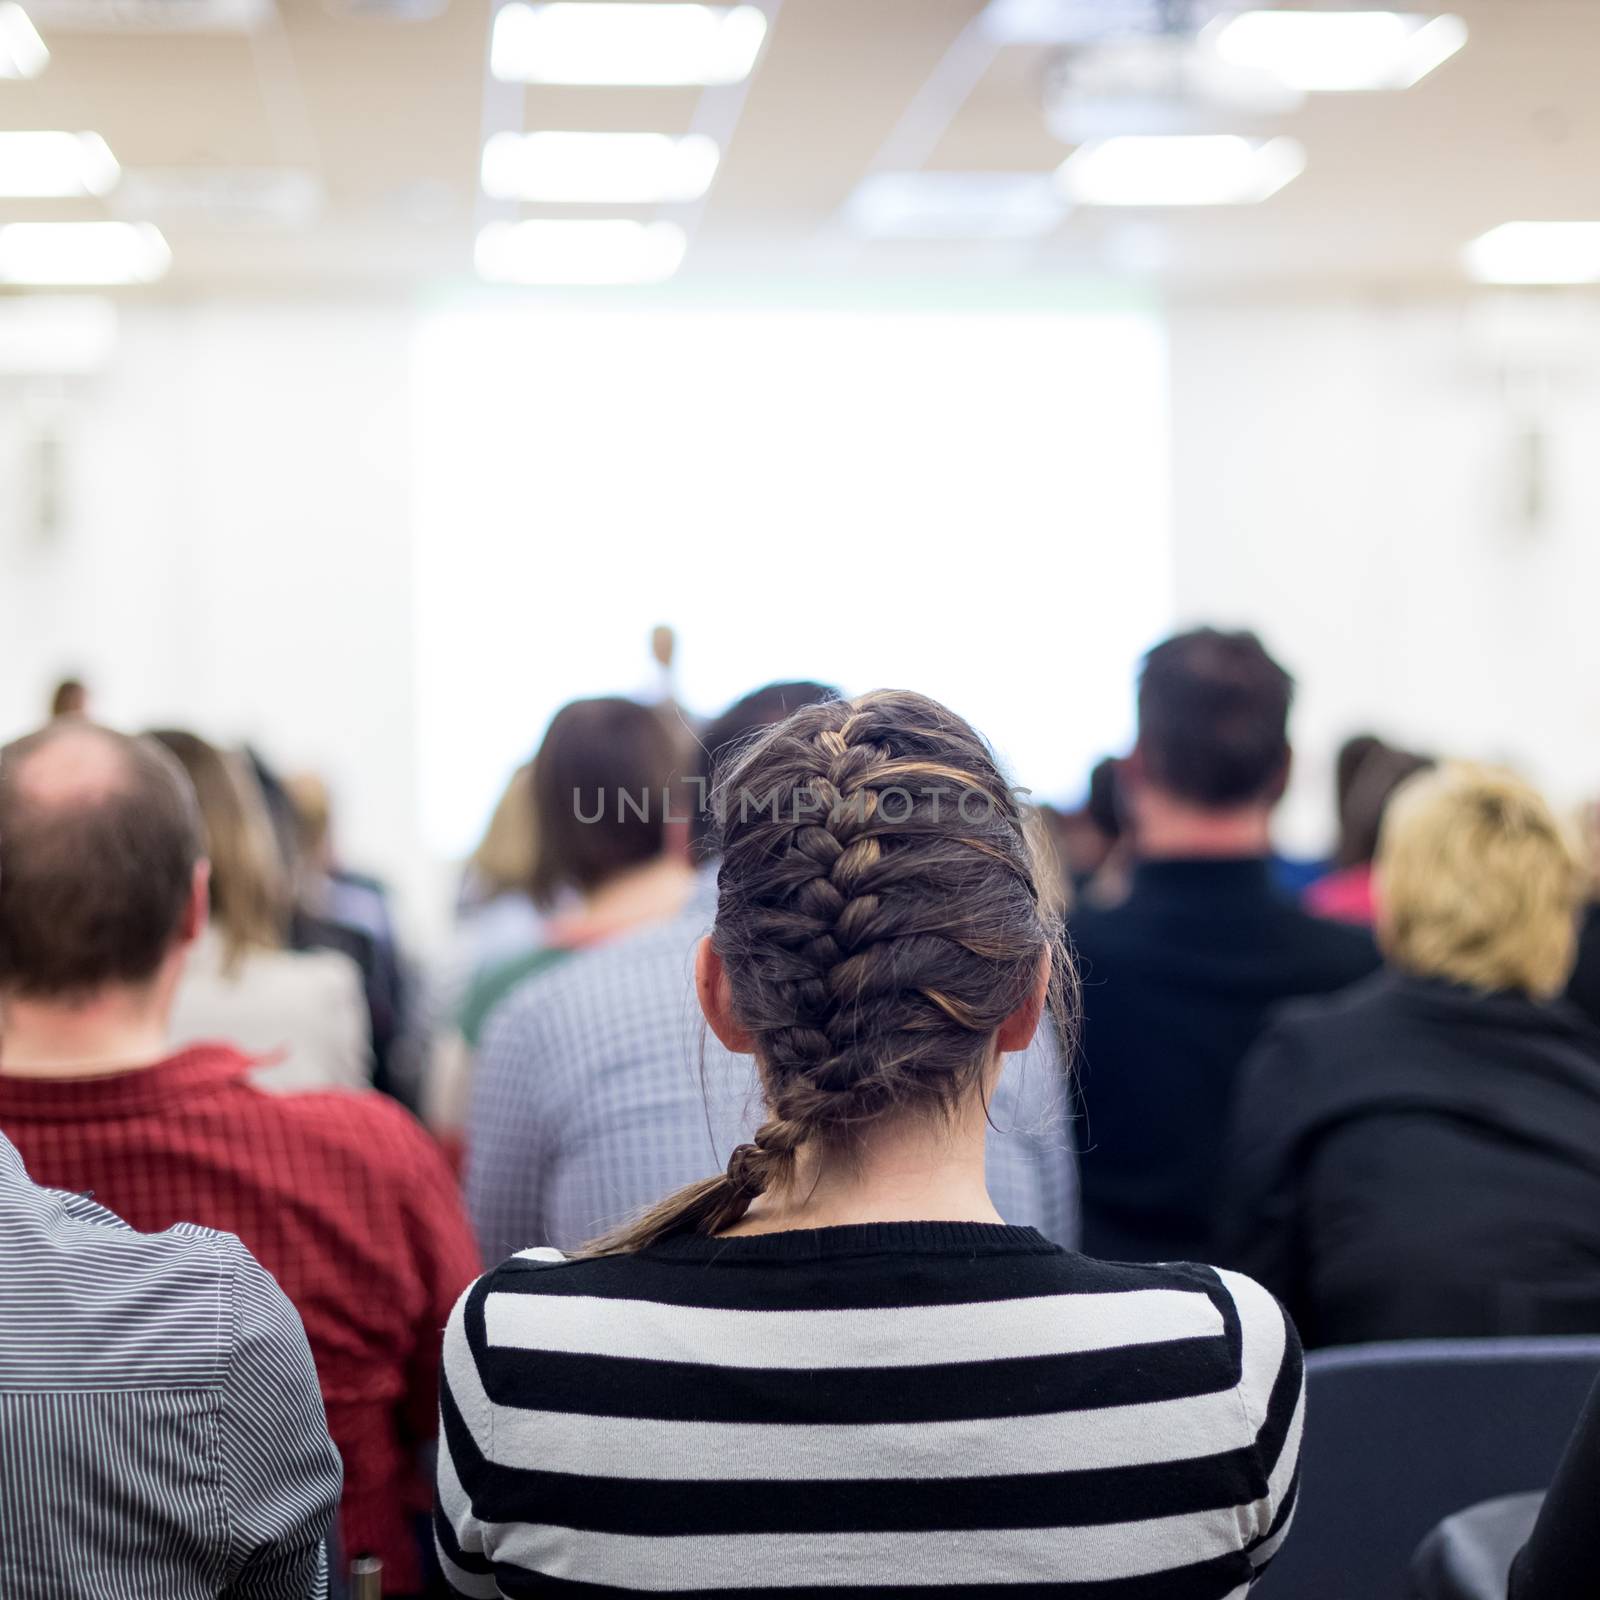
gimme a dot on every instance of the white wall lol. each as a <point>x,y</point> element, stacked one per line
<point>235,547</point>
<point>238,542</point>
<point>1348,479</point>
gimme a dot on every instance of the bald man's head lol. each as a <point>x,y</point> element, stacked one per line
<point>99,837</point>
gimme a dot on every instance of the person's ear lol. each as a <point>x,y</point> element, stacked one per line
<point>715,994</point>
<point>1017,1031</point>
<point>197,913</point>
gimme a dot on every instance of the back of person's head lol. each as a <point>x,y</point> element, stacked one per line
<point>1477,884</point>
<point>1102,804</point>
<point>99,840</point>
<point>600,782</point>
<point>725,737</point>
<point>1214,720</point>
<point>1347,763</point>
<point>880,916</point>
<point>250,892</point>
<point>1371,786</point>
<point>70,698</point>
<point>503,860</point>
<point>312,803</point>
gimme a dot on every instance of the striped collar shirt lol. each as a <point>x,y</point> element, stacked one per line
<point>886,1410</point>
<point>598,1089</point>
<point>161,1434</point>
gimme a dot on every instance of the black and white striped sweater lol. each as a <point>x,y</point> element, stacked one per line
<point>888,1409</point>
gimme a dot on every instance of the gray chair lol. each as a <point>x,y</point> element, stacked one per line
<point>1468,1556</point>
<point>1400,1436</point>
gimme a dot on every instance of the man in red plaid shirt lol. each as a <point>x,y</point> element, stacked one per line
<point>343,1197</point>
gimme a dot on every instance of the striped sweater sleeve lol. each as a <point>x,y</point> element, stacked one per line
<point>1272,1393</point>
<point>464,1452</point>
<point>281,1471</point>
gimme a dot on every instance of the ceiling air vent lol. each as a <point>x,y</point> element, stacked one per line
<point>220,197</point>
<point>149,16</point>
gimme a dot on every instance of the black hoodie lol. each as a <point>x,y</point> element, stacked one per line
<point>1411,1159</point>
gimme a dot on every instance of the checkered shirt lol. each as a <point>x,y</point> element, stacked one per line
<point>587,1100</point>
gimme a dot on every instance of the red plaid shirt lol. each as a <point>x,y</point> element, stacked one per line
<point>342,1197</point>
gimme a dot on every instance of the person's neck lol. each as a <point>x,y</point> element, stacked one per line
<point>919,1170</point>
<point>649,892</point>
<point>116,1031</point>
<point>1167,829</point>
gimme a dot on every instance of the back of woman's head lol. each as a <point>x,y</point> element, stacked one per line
<point>601,785</point>
<point>250,892</point>
<point>880,915</point>
<point>1477,884</point>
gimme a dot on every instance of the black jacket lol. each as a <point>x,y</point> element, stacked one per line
<point>1417,1160</point>
<point>1178,982</point>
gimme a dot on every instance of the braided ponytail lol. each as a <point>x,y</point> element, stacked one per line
<point>881,912</point>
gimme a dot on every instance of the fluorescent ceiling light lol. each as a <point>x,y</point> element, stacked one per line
<point>50,166</point>
<point>1341,50</point>
<point>608,168</point>
<point>955,205</point>
<point>1536,252</point>
<point>1208,169</point>
<point>608,41</point>
<point>55,334</point>
<point>74,253</point>
<point>22,51</point>
<point>614,251</point>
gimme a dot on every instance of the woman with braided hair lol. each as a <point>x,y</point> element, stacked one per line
<point>832,1368</point>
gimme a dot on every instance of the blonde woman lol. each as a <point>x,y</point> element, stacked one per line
<point>1420,1156</point>
<point>302,1013</point>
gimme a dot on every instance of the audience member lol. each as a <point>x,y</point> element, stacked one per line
<point>834,1366</point>
<point>300,1011</point>
<point>603,783</point>
<point>1365,787</point>
<point>1090,841</point>
<point>160,1427</point>
<point>1583,990</point>
<point>342,1197</point>
<point>495,914</point>
<point>598,1090</point>
<point>336,908</point>
<point>1178,980</point>
<point>1420,1156</point>
<point>69,699</point>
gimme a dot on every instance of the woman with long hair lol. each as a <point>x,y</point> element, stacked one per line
<point>303,1013</point>
<point>832,1367</point>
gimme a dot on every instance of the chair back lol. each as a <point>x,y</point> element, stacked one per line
<point>1400,1436</point>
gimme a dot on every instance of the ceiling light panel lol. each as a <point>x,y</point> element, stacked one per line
<point>1179,170</point>
<point>613,42</point>
<point>52,165</point>
<point>1340,51</point>
<point>1536,252</point>
<point>599,168</point>
<point>82,253</point>
<point>22,51</point>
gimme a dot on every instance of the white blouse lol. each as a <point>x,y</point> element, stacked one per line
<point>303,1011</point>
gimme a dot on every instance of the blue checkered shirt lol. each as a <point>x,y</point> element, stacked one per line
<point>588,1104</point>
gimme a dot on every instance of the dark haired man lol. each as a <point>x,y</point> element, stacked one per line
<point>589,1099</point>
<point>1178,980</point>
<point>342,1197</point>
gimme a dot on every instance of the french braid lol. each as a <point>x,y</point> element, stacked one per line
<point>879,916</point>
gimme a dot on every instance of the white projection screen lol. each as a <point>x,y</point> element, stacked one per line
<point>972,503</point>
